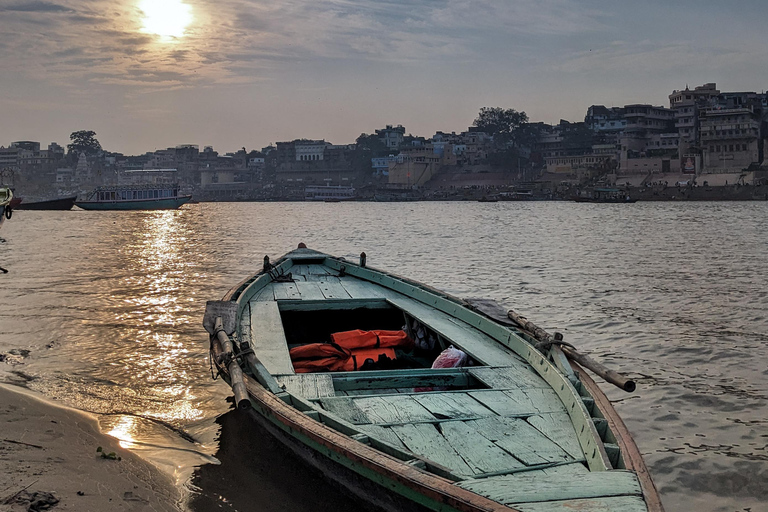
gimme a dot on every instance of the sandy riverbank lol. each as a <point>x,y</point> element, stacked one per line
<point>48,453</point>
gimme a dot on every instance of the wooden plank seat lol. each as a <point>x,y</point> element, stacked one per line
<point>268,337</point>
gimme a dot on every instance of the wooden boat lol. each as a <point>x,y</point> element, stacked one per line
<point>519,428</point>
<point>6,198</point>
<point>135,197</point>
<point>61,203</point>
<point>605,195</point>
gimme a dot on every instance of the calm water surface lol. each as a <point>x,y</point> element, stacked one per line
<point>102,311</point>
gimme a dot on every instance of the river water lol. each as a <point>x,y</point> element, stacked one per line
<point>102,311</point>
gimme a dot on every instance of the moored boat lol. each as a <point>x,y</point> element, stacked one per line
<point>60,203</point>
<point>6,197</point>
<point>463,408</point>
<point>329,193</point>
<point>605,195</point>
<point>134,197</point>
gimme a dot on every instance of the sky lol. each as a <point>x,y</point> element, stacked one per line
<point>247,73</point>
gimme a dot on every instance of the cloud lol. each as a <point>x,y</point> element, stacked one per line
<point>39,7</point>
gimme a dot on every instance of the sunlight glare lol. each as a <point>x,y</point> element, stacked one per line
<point>166,18</point>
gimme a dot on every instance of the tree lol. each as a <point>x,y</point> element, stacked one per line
<point>499,122</point>
<point>84,141</point>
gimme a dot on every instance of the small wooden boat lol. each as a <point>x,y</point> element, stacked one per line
<point>60,203</point>
<point>6,198</point>
<point>520,426</point>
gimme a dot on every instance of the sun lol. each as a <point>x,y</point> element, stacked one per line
<point>166,18</point>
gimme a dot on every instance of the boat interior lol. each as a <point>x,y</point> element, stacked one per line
<point>494,426</point>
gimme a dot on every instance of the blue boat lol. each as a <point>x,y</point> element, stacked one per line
<point>135,197</point>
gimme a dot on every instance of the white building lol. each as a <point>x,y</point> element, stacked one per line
<point>309,150</point>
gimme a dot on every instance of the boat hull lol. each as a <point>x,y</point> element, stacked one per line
<point>64,203</point>
<point>170,203</point>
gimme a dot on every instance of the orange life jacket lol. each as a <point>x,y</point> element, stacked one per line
<point>329,357</point>
<point>365,339</point>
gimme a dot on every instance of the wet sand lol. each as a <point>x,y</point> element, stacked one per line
<point>48,453</point>
<point>258,473</point>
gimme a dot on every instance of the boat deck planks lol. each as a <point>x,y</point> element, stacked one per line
<point>520,439</point>
<point>393,409</point>
<point>519,402</point>
<point>308,385</point>
<point>518,376</point>
<point>532,488</point>
<point>452,405</point>
<point>286,291</point>
<point>332,289</point>
<point>346,409</point>
<point>309,290</point>
<point>555,425</point>
<point>383,434</point>
<point>426,440</point>
<point>358,289</point>
<point>268,338</point>
<point>479,453</point>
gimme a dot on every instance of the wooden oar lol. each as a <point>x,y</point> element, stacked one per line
<point>219,314</point>
<point>570,352</point>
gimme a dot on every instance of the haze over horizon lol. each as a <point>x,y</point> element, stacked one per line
<point>236,73</point>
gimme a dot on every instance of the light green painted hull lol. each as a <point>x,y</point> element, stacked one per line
<point>170,203</point>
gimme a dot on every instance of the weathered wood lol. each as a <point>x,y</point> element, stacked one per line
<point>425,440</point>
<point>584,360</point>
<point>613,504</point>
<point>630,453</point>
<point>478,345</point>
<point>518,376</point>
<point>309,291</point>
<point>383,434</point>
<point>268,338</point>
<point>358,289</point>
<point>308,385</point>
<point>363,382</point>
<point>528,488</point>
<point>332,289</point>
<point>480,454</point>
<point>452,405</point>
<point>520,439</point>
<point>392,409</point>
<point>346,409</point>
<point>558,427</point>
<point>286,291</point>
<point>519,402</point>
<point>237,380</point>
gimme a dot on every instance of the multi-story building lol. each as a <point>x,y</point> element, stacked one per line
<point>391,136</point>
<point>730,138</point>
<point>647,127</point>
<point>687,103</point>
<point>9,157</point>
<point>309,150</point>
<point>604,119</point>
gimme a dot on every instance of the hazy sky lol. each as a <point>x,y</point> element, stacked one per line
<point>247,72</point>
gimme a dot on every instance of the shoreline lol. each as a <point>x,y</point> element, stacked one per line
<point>49,452</point>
